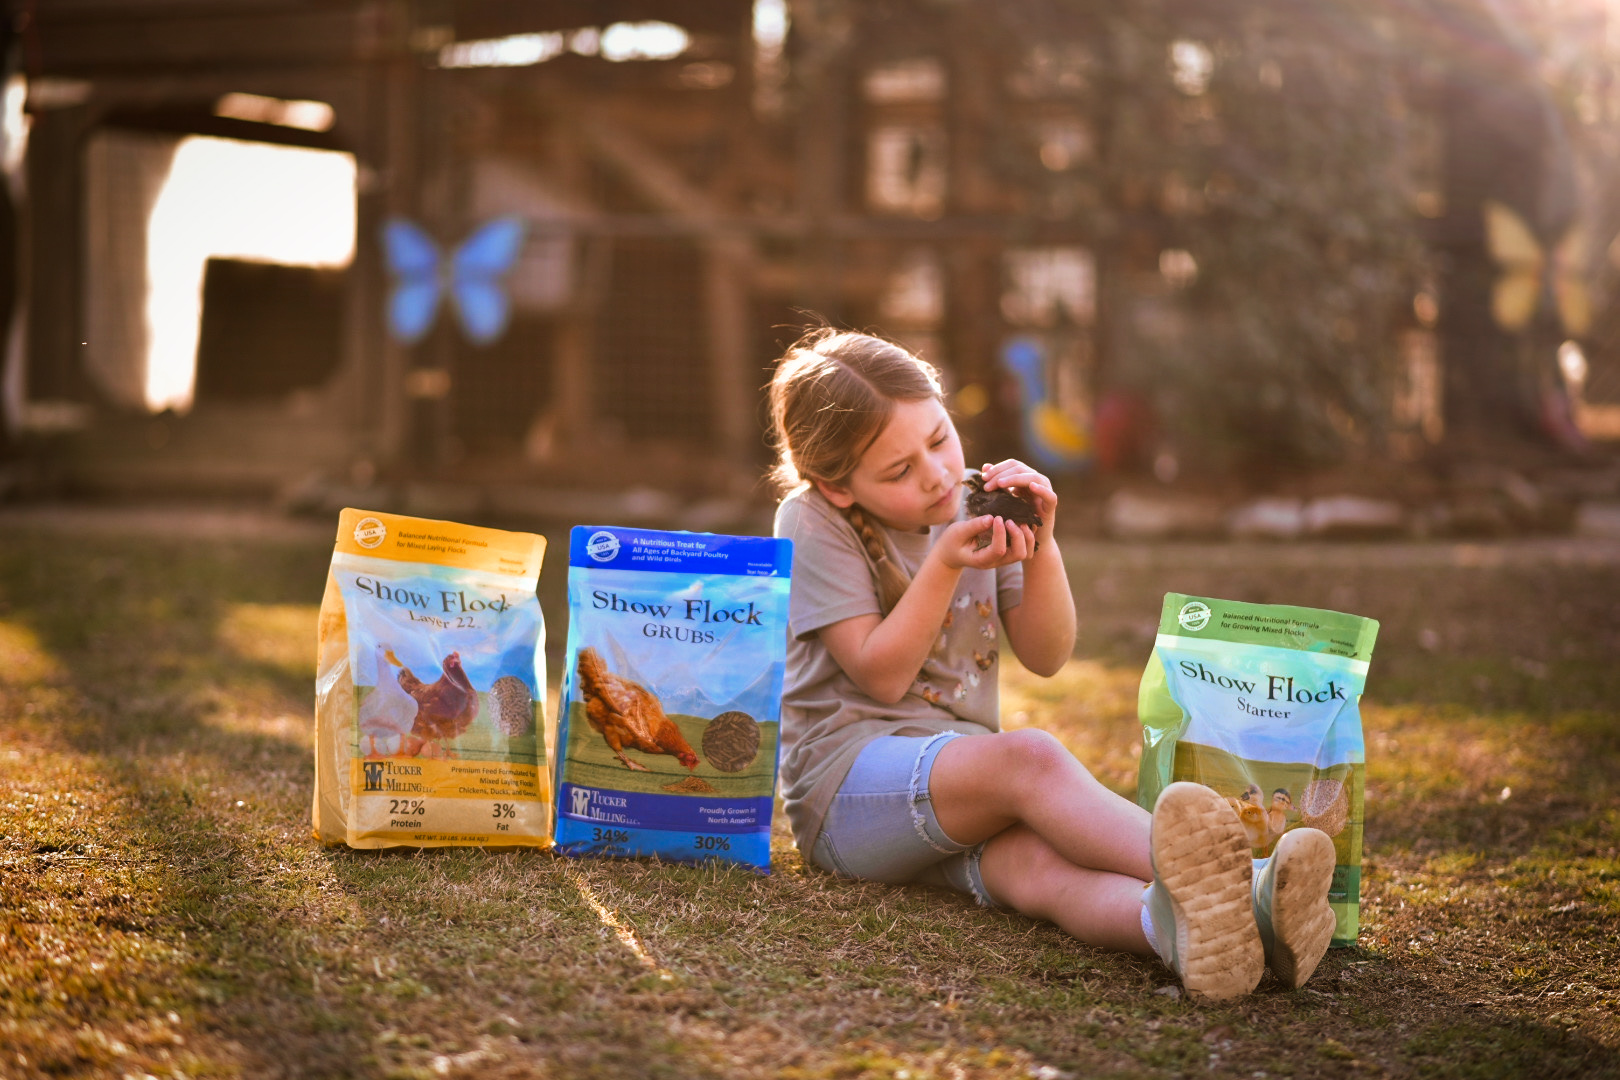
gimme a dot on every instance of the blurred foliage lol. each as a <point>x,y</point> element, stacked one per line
<point>1270,143</point>
<point>1261,182</point>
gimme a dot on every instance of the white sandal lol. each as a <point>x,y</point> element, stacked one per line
<point>1291,908</point>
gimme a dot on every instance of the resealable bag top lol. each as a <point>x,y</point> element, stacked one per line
<point>1262,703</point>
<point>429,684</point>
<point>671,702</point>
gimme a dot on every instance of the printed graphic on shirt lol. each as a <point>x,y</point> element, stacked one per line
<point>946,677</point>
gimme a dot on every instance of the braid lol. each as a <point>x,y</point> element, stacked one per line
<point>831,395</point>
<point>891,580</point>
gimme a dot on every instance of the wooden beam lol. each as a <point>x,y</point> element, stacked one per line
<point>645,169</point>
<point>729,257</point>
<point>85,46</point>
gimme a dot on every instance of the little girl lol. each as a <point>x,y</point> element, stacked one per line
<point>894,766</point>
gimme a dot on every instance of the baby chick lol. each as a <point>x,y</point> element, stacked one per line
<point>1002,502</point>
<point>1252,814</point>
<point>1277,816</point>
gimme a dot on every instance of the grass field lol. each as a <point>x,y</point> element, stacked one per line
<point>163,910</point>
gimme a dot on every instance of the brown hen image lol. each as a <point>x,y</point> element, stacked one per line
<point>627,715</point>
<point>445,708</point>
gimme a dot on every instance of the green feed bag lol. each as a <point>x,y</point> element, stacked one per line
<point>1262,703</point>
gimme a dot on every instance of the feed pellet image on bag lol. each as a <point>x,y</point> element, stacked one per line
<point>671,700</point>
<point>429,714</point>
<point>1262,703</point>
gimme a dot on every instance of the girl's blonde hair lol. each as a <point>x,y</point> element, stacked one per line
<point>830,398</point>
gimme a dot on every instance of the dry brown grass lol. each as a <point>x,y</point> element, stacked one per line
<point>163,910</point>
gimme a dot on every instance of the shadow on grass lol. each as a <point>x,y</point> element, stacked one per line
<point>300,961</point>
<point>291,959</point>
<point>167,718</point>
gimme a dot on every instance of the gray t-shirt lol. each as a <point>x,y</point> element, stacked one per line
<point>826,719</point>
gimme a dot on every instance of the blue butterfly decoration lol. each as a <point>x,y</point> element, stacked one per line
<point>472,276</point>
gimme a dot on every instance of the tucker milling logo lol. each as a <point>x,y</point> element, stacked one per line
<point>1194,615</point>
<point>592,804</point>
<point>374,775</point>
<point>370,532</point>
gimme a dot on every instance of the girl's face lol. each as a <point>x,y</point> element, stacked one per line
<point>911,475</point>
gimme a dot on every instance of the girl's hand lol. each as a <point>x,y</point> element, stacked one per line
<point>1009,543</point>
<point>1013,474</point>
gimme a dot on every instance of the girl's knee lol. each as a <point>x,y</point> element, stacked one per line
<point>1031,752</point>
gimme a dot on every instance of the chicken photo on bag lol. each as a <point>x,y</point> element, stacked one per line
<point>626,714</point>
<point>445,709</point>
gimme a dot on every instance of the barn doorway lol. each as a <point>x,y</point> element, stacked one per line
<point>214,266</point>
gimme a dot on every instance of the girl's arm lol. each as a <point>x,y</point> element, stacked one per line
<point>883,654</point>
<point>1041,628</point>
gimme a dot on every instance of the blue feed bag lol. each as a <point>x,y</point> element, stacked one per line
<point>671,706</point>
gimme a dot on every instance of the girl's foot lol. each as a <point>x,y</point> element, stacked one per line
<point>1291,906</point>
<point>1201,901</point>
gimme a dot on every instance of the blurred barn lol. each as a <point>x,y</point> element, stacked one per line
<point>1026,203</point>
<point>630,348</point>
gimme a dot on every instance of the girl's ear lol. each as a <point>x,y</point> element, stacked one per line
<point>837,494</point>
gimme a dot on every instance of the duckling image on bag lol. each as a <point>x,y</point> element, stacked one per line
<point>1252,814</point>
<point>1277,816</point>
<point>388,712</point>
<point>1264,823</point>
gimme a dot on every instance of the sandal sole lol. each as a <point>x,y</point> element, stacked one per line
<point>1201,857</point>
<point>1302,921</point>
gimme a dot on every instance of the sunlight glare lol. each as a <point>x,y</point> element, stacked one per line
<point>770,25</point>
<point>238,200</point>
<point>1178,267</point>
<point>1192,65</point>
<point>644,41</point>
<point>516,50</point>
<point>305,115</point>
<point>1572,364</point>
<point>618,42</point>
<point>15,124</point>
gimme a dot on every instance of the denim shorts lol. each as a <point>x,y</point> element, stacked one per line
<point>881,825</point>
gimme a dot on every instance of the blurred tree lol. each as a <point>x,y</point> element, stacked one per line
<point>1511,205</point>
<point>1276,194</point>
<point>1255,223</point>
<point>10,256</point>
<point>1241,172</point>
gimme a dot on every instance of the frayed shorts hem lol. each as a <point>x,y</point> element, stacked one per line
<point>882,827</point>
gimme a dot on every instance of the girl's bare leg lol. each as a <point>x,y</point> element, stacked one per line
<point>982,785</point>
<point>1100,908</point>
